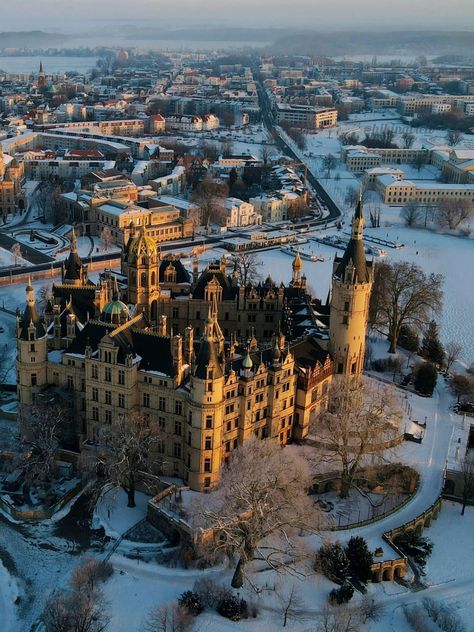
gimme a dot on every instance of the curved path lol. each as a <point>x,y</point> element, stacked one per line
<point>431,461</point>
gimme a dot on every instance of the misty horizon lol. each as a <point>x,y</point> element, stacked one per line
<point>310,15</point>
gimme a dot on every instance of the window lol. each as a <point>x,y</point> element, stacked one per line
<point>178,408</point>
<point>108,397</point>
<point>207,465</point>
<point>162,423</point>
<point>208,443</point>
<point>95,414</point>
<point>208,421</point>
<point>160,446</point>
<point>207,481</point>
<point>94,372</point>
<point>95,394</point>
<point>121,400</point>
<point>121,377</point>
<point>34,380</point>
<point>32,348</point>
<point>175,312</point>
<point>177,450</point>
<point>227,446</point>
<point>146,400</point>
<point>108,416</point>
<point>178,428</point>
<point>162,403</point>
<point>70,383</point>
<point>228,426</point>
<point>108,374</point>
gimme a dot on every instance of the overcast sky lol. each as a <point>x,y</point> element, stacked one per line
<point>72,15</point>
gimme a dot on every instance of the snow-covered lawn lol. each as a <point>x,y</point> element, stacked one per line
<point>8,260</point>
<point>113,514</point>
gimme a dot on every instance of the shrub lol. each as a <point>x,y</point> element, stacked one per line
<point>233,608</point>
<point>384,365</point>
<point>210,592</point>
<point>331,561</point>
<point>191,601</point>
<point>408,339</point>
<point>341,595</point>
<point>415,546</point>
<point>426,377</point>
<point>90,573</point>
<point>360,559</point>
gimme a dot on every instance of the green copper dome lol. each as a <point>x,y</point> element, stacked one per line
<point>115,312</point>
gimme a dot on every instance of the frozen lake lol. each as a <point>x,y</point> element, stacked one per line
<point>52,65</point>
<point>453,257</point>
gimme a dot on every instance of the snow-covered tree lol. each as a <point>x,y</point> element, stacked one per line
<point>362,417</point>
<point>259,506</point>
<point>403,295</point>
<point>126,448</point>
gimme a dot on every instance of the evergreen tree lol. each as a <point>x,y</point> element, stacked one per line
<point>360,559</point>
<point>408,339</point>
<point>431,347</point>
<point>233,177</point>
<point>426,377</point>
<point>331,560</point>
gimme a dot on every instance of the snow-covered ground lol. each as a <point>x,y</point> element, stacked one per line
<point>8,260</point>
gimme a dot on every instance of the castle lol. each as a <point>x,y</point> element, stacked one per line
<point>208,360</point>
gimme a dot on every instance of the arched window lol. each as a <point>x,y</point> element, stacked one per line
<point>143,279</point>
<point>153,278</point>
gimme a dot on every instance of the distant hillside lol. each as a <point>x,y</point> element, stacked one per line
<point>30,39</point>
<point>394,43</point>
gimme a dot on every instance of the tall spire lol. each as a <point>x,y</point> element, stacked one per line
<point>358,219</point>
<point>73,241</point>
<point>41,71</point>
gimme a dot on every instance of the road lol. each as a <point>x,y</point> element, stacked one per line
<point>322,199</point>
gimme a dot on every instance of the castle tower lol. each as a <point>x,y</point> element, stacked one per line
<point>73,270</point>
<point>143,263</point>
<point>349,305</point>
<point>32,351</point>
<point>203,452</point>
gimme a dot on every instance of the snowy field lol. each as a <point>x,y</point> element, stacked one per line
<point>8,260</point>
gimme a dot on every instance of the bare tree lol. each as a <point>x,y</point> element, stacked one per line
<point>329,162</point>
<point>265,154</point>
<point>89,574</point>
<point>454,137</point>
<point>209,196</point>
<point>452,212</point>
<point>370,609</point>
<point>41,428</point>
<point>408,139</point>
<point>168,618</point>
<point>419,160</point>
<point>452,351</point>
<point>256,511</point>
<point>126,448</point>
<point>16,252</point>
<point>338,619</point>
<point>74,611</point>
<point>403,295</point>
<point>291,605</point>
<point>411,213</point>
<point>106,238</point>
<point>362,418</point>
<point>467,470</point>
<point>45,294</point>
<point>462,386</point>
<point>247,265</point>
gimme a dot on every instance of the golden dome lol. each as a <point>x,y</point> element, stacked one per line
<point>297,263</point>
<point>142,246</point>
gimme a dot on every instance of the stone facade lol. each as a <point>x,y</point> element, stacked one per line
<point>108,350</point>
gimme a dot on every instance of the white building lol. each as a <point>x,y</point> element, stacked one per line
<point>241,213</point>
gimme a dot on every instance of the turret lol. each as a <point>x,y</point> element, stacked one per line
<point>73,271</point>
<point>32,351</point>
